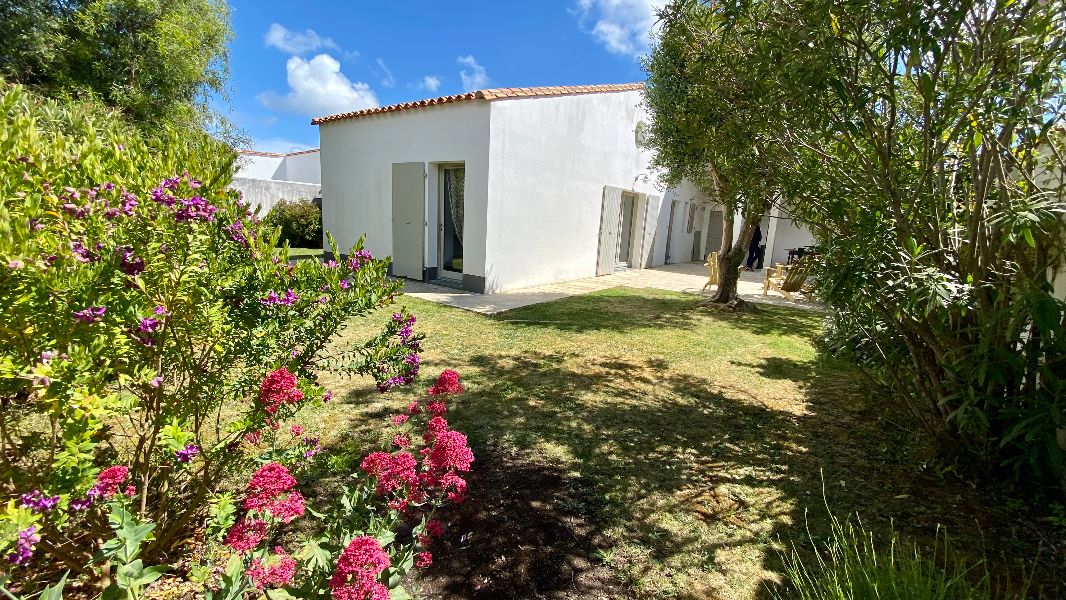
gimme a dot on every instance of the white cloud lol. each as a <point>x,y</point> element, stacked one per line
<point>622,26</point>
<point>476,78</point>
<point>430,83</point>
<point>388,81</point>
<point>279,145</point>
<point>296,42</point>
<point>317,87</point>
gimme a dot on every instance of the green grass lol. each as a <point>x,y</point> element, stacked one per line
<point>302,252</point>
<point>703,437</point>
<point>852,565</point>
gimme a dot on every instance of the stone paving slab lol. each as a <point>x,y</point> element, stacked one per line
<point>684,277</point>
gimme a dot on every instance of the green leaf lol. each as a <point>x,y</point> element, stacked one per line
<point>152,573</point>
<point>1046,312</point>
<point>1028,234</point>
<point>55,592</point>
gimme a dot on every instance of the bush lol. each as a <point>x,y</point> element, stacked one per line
<point>153,349</point>
<point>300,222</point>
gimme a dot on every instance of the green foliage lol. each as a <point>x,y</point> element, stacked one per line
<point>131,576</point>
<point>850,565</point>
<point>300,222</point>
<point>922,142</point>
<point>141,306</point>
<point>713,96</point>
<point>157,61</point>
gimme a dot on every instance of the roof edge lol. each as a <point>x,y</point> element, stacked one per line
<point>250,152</point>
<point>488,94</point>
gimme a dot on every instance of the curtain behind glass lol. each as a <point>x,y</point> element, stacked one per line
<point>455,180</point>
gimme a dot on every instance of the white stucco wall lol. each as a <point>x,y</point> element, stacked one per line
<point>686,195</point>
<point>265,193</point>
<point>304,167</point>
<point>356,162</point>
<point>789,234</point>
<point>550,159</point>
<point>251,166</point>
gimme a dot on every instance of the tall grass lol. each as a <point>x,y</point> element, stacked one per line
<point>850,565</point>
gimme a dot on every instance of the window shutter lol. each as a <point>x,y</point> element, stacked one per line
<point>610,222</point>
<point>651,223</point>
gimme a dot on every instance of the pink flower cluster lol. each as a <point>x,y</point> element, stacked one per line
<point>447,384</point>
<point>108,481</point>
<point>270,490</point>
<point>275,572</point>
<point>445,454</point>
<point>279,387</point>
<point>358,569</point>
<point>246,534</point>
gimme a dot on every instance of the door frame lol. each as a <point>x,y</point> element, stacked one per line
<point>442,273</point>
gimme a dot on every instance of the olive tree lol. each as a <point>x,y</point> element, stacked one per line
<point>712,92</point>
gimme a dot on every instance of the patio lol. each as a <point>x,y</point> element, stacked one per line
<point>682,277</point>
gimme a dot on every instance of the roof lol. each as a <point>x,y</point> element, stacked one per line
<point>493,94</point>
<point>276,154</point>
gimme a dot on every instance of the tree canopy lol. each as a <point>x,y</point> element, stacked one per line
<point>923,143</point>
<point>154,60</point>
<point>713,92</point>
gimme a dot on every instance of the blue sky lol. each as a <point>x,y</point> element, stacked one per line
<point>291,61</point>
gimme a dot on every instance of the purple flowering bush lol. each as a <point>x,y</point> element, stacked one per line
<point>143,310</point>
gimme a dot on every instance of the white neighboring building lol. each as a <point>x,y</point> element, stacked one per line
<point>267,177</point>
<point>500,189</point>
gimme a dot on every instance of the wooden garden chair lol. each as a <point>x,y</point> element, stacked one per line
<point>712,271</point>
<point>787,279</point>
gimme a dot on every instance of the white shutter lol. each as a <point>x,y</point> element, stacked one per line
<point>651,223</point>
<point>610,221</point>
<point>408,219</point>
<point>640,216</point>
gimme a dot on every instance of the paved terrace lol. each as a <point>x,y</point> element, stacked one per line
<point>684,277</point>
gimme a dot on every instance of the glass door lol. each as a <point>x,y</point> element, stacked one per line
<point>450,247</point>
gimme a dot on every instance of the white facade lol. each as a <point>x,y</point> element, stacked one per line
<point>357,159</point>
<point>538,171</point>
<point>298,167</point>
<point>265,178</point>
<point>549,160</point>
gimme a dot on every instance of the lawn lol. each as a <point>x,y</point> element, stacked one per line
<point>630,443</point>
<point>302,253</point>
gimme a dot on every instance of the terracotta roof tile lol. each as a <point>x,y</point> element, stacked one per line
<point>493,94</point>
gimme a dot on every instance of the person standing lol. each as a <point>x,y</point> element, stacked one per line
<point>753,249</point>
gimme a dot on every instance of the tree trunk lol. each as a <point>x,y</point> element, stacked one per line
<point>729,262</point>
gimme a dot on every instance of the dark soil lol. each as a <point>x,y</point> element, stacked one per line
<point>521,534</point>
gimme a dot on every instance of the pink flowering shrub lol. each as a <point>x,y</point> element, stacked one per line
<point>158,346</point>
<point>357,550</point>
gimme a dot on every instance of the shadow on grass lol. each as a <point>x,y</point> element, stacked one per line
<point>691,465</point>
<point>699,475</point>
<point>770,320</point>
<point>523,534</point>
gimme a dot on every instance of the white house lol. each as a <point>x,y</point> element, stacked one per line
<point>267,177</point>
<point>500,189</point>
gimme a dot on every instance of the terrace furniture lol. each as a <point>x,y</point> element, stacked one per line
<point>787,279</point>
<point>712,271</point>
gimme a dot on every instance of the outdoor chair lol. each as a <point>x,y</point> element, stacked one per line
<point>712,271</point>
<point>787,279</point>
